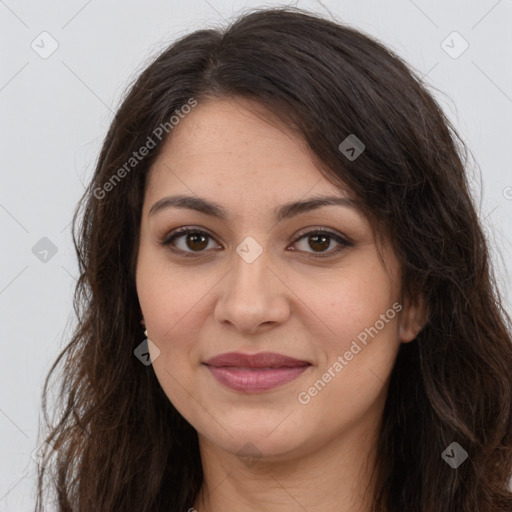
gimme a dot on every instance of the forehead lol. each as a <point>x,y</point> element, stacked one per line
<point>235,131</point>
<point>231,144</point>
<point>239,156</point>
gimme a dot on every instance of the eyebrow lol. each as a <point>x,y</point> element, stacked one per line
<point>285,211</point>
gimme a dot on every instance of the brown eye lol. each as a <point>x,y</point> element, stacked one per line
<point>196,241</point>
<point>320,241</point>
<point>190,241</point>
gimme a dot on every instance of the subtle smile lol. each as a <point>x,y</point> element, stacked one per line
<point>257,372</point>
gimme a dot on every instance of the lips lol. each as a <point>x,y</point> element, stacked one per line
<point>261,360</point>
<point>255,373</point>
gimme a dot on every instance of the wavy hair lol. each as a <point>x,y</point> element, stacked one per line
<point>120,445</point>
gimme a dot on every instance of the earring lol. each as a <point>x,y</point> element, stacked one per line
<point>143,323</point>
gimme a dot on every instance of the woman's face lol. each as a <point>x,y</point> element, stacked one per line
<point>264,278</point>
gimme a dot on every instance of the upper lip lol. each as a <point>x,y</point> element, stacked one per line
<point>260,360</point>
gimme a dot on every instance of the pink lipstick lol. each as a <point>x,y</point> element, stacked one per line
<point>255,373</point>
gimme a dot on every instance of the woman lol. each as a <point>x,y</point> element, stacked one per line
<point>282,208</point>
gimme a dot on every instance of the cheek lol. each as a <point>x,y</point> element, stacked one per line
<point>169,298</point>
<point>172,304</point>
<point>365,317</point>
<point>351,304</point>
<point>353,377</point>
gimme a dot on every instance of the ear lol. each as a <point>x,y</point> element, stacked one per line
<point>413,318</point>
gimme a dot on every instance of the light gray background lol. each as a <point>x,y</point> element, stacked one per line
<point>55,111</point>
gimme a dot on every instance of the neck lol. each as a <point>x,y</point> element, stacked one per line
<point>335,477</point>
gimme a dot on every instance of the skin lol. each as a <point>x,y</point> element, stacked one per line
<point>316,456</point>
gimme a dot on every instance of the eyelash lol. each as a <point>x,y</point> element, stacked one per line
<point>177,233</point>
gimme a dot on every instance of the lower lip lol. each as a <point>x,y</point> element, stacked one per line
<point>256,380</point>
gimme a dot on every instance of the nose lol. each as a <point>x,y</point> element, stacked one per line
<point>254,297</point>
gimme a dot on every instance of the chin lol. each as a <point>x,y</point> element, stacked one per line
<point>258,441</point>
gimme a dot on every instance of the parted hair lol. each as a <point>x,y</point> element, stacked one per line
<point>119,443</point>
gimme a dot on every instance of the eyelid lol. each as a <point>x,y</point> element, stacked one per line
<point>319,229</point>
<point>184,230</point>
<point>343,241</point>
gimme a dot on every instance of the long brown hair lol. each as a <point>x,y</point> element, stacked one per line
<point>121,445</point>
